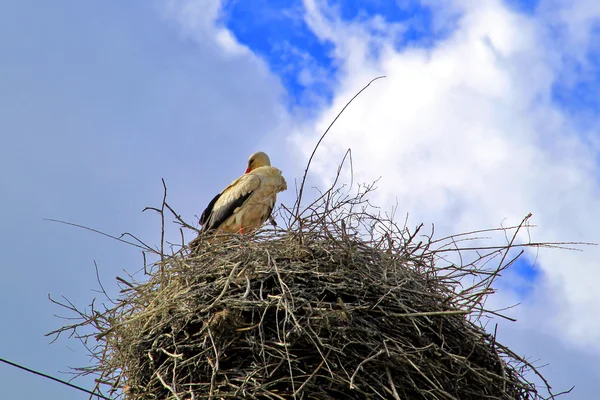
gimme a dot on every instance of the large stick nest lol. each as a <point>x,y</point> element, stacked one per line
<point>340,304</point>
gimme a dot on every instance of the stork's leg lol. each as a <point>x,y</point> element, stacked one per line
<point>241,231</point>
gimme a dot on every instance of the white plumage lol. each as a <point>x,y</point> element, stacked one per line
<point>247,202</point>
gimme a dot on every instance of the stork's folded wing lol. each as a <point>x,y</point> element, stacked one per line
<point>229,200</point>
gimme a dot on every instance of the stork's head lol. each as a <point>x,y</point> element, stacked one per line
<point>258,159</point>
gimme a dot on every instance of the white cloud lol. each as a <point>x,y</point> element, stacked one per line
<point>466,135</point>
<point>202,19</point>
<point>577,20</point>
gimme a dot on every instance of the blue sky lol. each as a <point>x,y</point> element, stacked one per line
<point>277,33</point>
<point>99,102</point>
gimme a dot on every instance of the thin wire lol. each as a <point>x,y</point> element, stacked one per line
<point>54,379</point>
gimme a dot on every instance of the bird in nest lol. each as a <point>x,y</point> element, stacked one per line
<point>247,202</point>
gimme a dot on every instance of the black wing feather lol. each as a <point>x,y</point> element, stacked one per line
<point>269,213</point>
<point>206,213</point>
<point>216,217</point>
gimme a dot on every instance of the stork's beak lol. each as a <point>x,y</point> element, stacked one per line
<point>247,170</point>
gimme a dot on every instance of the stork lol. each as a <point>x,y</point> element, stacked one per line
<point>247,202</point>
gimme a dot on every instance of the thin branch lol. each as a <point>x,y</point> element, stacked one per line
<point>101,233</point>
<point>300,192</point>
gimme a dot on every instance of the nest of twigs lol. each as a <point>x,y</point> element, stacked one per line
<point>340,304</point>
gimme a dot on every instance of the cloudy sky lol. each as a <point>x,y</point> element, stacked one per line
<point>489,111</point>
